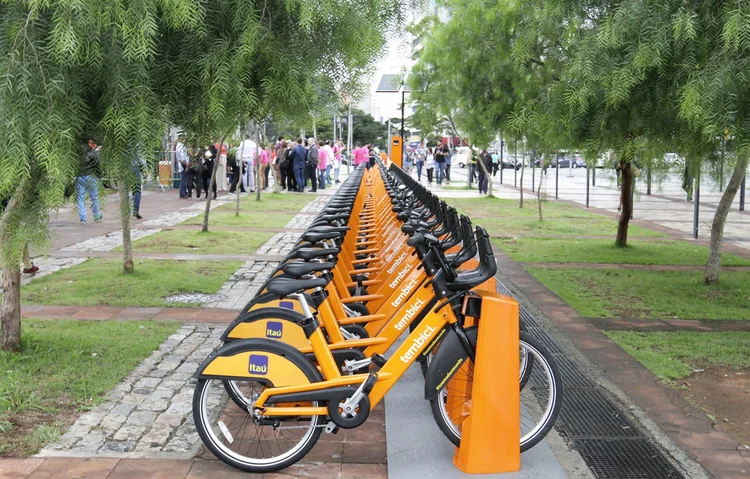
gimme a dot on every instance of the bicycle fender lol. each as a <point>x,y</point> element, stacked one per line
<point>271,362</point>
<point>267,299</point>
<point>271,323</point>
<point>446,361</point>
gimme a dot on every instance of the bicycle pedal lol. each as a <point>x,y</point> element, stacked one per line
<point>378,360</point>
<point>331,428</point>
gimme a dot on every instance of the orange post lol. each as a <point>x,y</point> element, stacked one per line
<point>397,151</point>
<point>490,436</point>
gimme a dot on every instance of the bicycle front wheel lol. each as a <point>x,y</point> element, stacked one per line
<point>232,435</point>
<point>541,399</point>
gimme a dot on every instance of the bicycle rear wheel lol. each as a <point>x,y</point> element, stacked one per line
<point>540,400</point>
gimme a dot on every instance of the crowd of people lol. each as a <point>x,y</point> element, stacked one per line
<point>436,161</point>
<point>296,165</point>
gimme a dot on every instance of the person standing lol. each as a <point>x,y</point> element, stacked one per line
<point>419,157</point>
<point>448,158</point>
<point>262,175</point>
<point>322,165</point>
<point>291,181</point>
<point>221,164</point>
<point>87,181</point>
<point>312,164</point>
<point>486,160</point>
<point>138,163</point>
<point>194,173</point>
<point>330,160</point>
<point>430,165</point>
<point>246,153</point>
<point>359,155</point>
<point>181,155</point>
<point>439,164</point>
<point>282,163</point>
<point>337,151</point>
<point>407,161</point>
<point>298,165</point>
<point>209,162</point>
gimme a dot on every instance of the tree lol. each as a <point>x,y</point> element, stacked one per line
<point>127,68</point>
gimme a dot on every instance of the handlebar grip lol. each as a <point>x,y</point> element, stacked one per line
<point>415,240</point>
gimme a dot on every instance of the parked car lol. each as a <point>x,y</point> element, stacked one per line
<point>461,157</point>
<point>516,165</point>
<point>565,162</point>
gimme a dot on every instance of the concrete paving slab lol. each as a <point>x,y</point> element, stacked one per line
<point>418,449</point>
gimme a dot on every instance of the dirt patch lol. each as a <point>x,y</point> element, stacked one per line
<point>19,441</point>
<point>725,395</point>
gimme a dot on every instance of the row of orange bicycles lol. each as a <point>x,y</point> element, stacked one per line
<point>318,347</point>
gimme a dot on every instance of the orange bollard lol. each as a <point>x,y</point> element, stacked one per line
<point>490,436</point>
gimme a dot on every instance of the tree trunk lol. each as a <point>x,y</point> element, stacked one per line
<point>627,204</point>
<point>125,211</point>
<point>539,188</point>
<point>10,311</point>
<point>520,184</point>
<point>209,193</point>
<point>10,308</point>
<point>720,217</point>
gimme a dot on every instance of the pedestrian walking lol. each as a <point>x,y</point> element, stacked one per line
<point>439,165</point>
<point>483,179</point>
<point>263,175</point>
<point>195,173</point>
<point>282,164</point>
<point>419,157</point>
<point>430,165</point>
<point>209,161</point>
<point>87,181</point>
<point>181,155</point>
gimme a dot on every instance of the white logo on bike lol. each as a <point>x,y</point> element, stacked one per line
<point>404,293</point>
<point>397,263</point>
<point>410,313</point>
<point>401,275</point>
<point>417,344</point>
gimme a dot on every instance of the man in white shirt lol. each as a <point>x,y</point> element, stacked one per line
<point>248,152</point>
<point>180,151</point>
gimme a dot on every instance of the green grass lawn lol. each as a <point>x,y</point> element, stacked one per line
<point>274,202</point>
<point>649,294</point>
<point>569,226</point>
<point>101,282</point>
<point>246,220</point>
<point>66,367</point>
<point>197,242</point>
<point>486,206</point>
<point>572,250</point>
<point>673,356</point>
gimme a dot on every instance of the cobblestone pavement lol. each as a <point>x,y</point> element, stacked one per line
<point>242,285</point>
<point>301,221</point>
<point>149,413</point>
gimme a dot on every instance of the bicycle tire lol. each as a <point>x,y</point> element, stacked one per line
<point>213,443</point>
<point>543,361</point>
